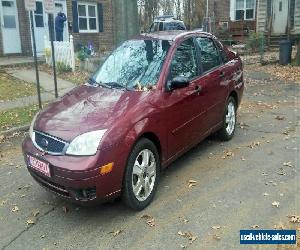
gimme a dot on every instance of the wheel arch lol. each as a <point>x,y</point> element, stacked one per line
<point>235,97</point>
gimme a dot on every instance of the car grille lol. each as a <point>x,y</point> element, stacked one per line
<point>49,143</point>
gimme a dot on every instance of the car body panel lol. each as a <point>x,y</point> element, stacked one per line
<point>177,119</point>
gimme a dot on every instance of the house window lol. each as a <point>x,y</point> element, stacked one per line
<point>244,9</point>
<point>87,18</point>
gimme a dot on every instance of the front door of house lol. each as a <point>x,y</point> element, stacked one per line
<point>10,27</point>
<point>280,16</point>
<point>41,23</point>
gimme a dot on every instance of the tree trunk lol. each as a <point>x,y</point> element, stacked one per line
<point>298,54</point>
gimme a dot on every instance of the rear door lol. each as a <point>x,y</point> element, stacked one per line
<point>215,76</point>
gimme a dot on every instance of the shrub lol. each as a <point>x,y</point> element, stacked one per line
<point>83,54</point>
<point>254,41</point>
<point>62,67</point>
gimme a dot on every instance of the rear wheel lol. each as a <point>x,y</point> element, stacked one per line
<point>141,176</point>
<point>229,120</point>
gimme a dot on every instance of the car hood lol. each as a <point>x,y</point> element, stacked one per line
<point>86,108</point>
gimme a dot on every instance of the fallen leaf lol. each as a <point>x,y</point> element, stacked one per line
<point>35,213</point>
<point>294,218</point>
<point>151,223</point>
<point>43,236</point>
<point>116,233</point>
<point>191,183</point>
<point>30,222</point>
<point>280,118</point>
<point>15,209</point>
<point>216,227</point>
<point>275,203</point>
<point>217,237</point>
<point>265,194</point>
<point>188,235</point>
<point>255,226</point>
<point>288,164</point>
<point>146,216</point>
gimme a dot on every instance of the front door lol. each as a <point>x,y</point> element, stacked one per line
<point>10,27</point>
<point>185,107</point>
<point>280,16</point>
<point>40,21</point>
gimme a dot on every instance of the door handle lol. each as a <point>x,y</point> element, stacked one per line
<point>197,90</point>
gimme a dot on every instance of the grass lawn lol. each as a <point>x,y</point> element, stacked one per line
<point>12,88</point>
<point>17,117</point>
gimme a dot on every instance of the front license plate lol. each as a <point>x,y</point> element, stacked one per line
<point>38,165</point>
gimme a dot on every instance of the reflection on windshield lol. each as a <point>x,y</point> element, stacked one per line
<point>136,64</point>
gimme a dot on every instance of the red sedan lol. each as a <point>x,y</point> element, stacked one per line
<point>155,97</point>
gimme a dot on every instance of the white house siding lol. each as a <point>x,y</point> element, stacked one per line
<point>261,18</point>
<point>296,29</point>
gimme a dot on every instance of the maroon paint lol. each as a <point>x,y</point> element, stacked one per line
<point>178,119</point>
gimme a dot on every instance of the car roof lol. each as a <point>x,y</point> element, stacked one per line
<point>172,35</point>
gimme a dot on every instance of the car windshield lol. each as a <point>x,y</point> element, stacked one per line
<point>135,65</point>
<point>174,26</point>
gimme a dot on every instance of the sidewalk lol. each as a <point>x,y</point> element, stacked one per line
<point>46,82</point>
<point>15,60</point>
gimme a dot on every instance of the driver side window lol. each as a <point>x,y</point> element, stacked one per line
<point>184,61</point>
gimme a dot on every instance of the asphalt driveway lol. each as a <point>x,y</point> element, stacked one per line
<point>203,200</point>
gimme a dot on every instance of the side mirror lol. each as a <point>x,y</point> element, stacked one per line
<point>178,82</point>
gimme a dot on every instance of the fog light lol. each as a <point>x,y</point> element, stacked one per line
<point>106,168</point>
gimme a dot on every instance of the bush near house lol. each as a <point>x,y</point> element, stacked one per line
<point>255,41</point>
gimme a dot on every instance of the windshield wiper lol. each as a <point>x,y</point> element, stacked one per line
<point>93,82</point>
<point>116,85</point>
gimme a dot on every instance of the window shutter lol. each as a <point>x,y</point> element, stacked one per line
<point>100,17</point>
<point>75,17</point>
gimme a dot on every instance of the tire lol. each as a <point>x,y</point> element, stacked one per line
<point>229,120</point>
<point>141,176</point>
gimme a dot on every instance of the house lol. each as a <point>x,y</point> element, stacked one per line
<point>89,21</point>
<point>234,18</point>
<point>277,19</point>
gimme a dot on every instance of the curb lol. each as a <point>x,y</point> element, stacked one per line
<point>15,130</point>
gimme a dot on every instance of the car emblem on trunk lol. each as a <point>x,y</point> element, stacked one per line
<point>44,143</point>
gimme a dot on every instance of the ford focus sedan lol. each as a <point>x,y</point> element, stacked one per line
<point>154,98</point>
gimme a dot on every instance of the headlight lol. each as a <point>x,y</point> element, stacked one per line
<point>86,144</point>
<point>32,125</point>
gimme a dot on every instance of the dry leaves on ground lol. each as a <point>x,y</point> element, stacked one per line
<point>288,164</point>
<point>15,209</point>
<point>116,233</point>
<point>149,220</point>
<point>30,222</point>
<point>275,203</point>
<point>191,183</point>
<point>35,213</point>
<point>188,235</point>
<point>288,73</point>
<point>294,218</point>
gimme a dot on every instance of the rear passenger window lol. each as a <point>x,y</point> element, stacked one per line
<point>210,57</point>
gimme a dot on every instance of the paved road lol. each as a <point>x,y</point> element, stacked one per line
<point>237,182</point>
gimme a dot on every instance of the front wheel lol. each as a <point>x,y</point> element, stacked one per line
<point>141,175</point>
<point>229,120</point>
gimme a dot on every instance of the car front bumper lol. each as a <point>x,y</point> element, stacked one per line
<point>78,179</point>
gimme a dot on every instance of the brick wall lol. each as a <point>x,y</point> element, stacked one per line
<point>101,39</point>
<point>24,27</point>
